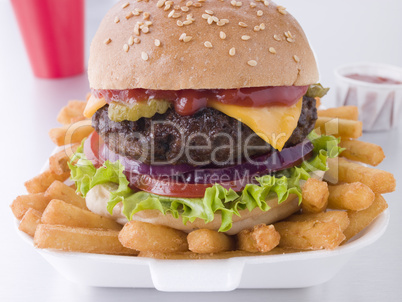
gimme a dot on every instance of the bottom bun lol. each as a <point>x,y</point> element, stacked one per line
<point>245,221</point>
<point>98,197</point>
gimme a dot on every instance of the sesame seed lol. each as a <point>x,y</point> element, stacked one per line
<point>220,23</point>
<point>145,29</point>
<point>176,7</point>
<point>135,13</point>
<point>129,15</point>
<point>169,2</point>
<point>131,41</point>
<point>126,47</point>
<point>125,5</point>
<point>288,34</point>
<point>116,20</point>
<point>272,50</point>
<point>144,56</point>
<point>282,10</point>
<point>176,15</point>
<point>201,0</point>
<point>208,44</point>
<point>171,13</point>
<point>266,3</point>
<point>138,10</point>
<point>215,19</point>
<point>107,41</point>
<point>179,23</point>
<point>210,20</point>
<point>290,40</point>
<point>184,9</point>
<point>160,3</point>
<point>198,5</point>
<point>209,12</point>
<point>242,24</point>
<point>187,22</point>
<point>257,28</point>
<point>157,42</point>
<point>252,4</point>
<point>187,39</point>
<point>222,35</point>
<point>137,29</point>
<point>146,15</point>
<point>167,7</point>
<point>262,26</point>
<point>148,23</point>
<point>137,40</point>
<point>277,38</point>
<point>189,3</point>
<point>225,20</point>
<point>239,4</point>
<point>260,13</point>
<point>245,38</point>
<point>232,51</point>
<point>205,16</point>
<point>183,35</point>
<point>296,58</point>
<point>233,2</point>
<point>252,63</point>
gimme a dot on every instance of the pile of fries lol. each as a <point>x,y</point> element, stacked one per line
<point>333,211</point>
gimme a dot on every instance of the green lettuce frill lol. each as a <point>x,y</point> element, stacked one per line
<point>216,199</point>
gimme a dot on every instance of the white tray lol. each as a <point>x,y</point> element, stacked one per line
<point>274,271</point>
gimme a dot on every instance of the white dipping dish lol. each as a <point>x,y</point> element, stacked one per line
<point>380,105</point>
<point>274,271</point>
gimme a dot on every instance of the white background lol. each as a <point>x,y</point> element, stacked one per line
<point>340,31</point>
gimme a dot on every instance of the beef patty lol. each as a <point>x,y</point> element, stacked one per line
<point>207,137</point>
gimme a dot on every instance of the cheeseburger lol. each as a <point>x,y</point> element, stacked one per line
<point>204,114</point>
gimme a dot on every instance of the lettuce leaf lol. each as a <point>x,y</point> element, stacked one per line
<point>216,199</point>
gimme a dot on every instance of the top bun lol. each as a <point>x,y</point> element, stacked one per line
<point>204,44</point>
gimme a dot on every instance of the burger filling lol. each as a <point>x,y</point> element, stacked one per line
<point>210,161</point>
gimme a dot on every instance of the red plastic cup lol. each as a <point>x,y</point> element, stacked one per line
<point>53,33</point>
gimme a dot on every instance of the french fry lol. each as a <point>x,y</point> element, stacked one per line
<point>350,196</point>
<point>339,127</point>
<point>317,102</point>
<point>71,134</point>
<point>58,162</point>
<point>72,239</point>
<point>23,203</point>
<point>344,112</point>
<point>206,241</point>
<point>338,217</point>
<point>360,220</point>
<point>309,235</point>
<point>41,182</point>
<point>143,236</point>
<point>61,213</point>
<point>223,255</point>
<point>262,238</point>
<point>59,190</point>
<point>30,221</point>
<point>71,112</point>
<point>342,170</point>
<point>363,152</point>
<point>315,196</point>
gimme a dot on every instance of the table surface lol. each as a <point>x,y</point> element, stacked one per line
<point>29,110</point>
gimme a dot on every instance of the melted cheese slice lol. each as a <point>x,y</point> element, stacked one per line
<point>93,105</point>
<point>274,124</point>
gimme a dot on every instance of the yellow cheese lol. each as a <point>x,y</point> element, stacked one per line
<point>93,105</point>
<point>274,124</point>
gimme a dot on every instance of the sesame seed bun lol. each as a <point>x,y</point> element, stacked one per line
<point>259,46</point>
